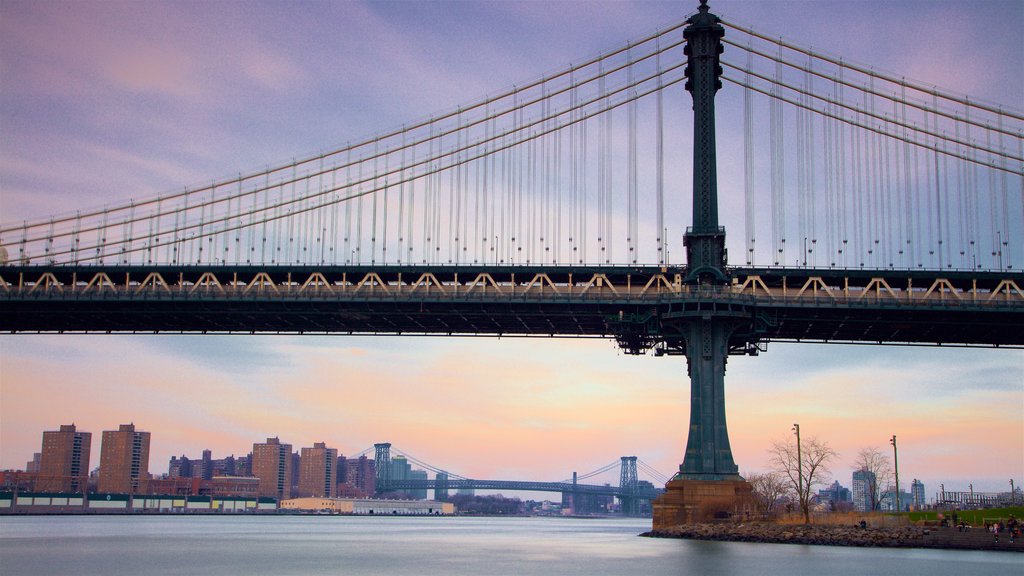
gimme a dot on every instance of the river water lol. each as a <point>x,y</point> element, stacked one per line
<point>353,546</point>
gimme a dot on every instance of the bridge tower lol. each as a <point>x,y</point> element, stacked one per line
<point>382,467</point>
<point>708,473</point>
<point>628,484</point>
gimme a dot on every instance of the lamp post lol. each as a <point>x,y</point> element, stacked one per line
<point>896,468</point>
<point>799,467</point>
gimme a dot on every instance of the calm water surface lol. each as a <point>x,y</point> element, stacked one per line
<point>352,546</point>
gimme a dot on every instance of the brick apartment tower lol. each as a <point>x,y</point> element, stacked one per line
<point>124,461</point>
<point>356,477</point>
<point>271,463</point>
<point>318,474</point>
<point>64,461</point>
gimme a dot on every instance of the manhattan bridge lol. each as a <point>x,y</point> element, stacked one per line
<point>876,209</point>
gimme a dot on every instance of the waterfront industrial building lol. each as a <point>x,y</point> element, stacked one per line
<point>366,506</point>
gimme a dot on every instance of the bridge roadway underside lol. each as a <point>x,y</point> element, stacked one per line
<point>639,306</point>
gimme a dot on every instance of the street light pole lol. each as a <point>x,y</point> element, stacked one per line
<point>799,468</point>
<point>896,467</point>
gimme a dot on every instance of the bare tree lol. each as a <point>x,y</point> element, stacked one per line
<point>876,463</point>
<point>769,488</point>
<point>803,473</point>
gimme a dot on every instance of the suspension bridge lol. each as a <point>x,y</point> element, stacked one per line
<point>876,209</point>
<point>630,491</point>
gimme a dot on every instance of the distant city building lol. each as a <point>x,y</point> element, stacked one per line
<point>205,468</point>
<point>418,493</point>
<point>863,490</point>
<point>318,471</point>
<point>917,491</point>
<point>296,464</point>
<point>176,486</point>
<point>243,465</point>
<point>888,500</point>
<point>32,465</point>
<point>272,464</point>
<point>341,469</point>
<point>359,478</point>
<point>124,461</point>
<point>179,467</point>
<point>206,465</point>
<point>400,468</point>
<point>835,494</point>
<point>441,486</point>
<point>64,460</point>
<point>234,486</point>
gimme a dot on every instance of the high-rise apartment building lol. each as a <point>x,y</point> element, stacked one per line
<point>400,468</point>
<point>124,461</point>
<point>64,460</point>
<point>206,471</point>
<point>863,490</point>
<point>836,494</point>
<point>295,473</point>
<point>418,493</point>
<point>206,468</point>
<point>179,467</point>
<point>272,464</point>
<point>359,475</point>
<point>318,471</point>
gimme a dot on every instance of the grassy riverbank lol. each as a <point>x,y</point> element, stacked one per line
<point>972,517</point>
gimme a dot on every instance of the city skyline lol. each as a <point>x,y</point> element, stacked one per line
<point>311,472</point>
<point>126,101</point>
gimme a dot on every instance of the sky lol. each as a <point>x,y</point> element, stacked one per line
<point>102,101</point>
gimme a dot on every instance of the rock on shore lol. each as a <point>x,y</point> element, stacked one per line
<point>903,537</point>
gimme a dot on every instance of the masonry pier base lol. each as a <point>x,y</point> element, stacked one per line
<point>692,501</point>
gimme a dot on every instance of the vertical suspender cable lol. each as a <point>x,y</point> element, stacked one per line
<point>748,162</point>
<point>384,207</point>
<point>660,168</point>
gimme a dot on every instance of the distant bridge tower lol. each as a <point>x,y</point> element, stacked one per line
<point>629,504</point>
<point>382,467</point>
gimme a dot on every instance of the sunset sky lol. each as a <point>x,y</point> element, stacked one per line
<point>102,101</point>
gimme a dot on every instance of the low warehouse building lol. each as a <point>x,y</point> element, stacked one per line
<point>370,507</point>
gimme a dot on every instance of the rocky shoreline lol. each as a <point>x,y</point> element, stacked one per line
<point>899,537</point>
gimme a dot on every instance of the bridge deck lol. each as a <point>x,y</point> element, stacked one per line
<point>985,308</point>
<point>642,491</point>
